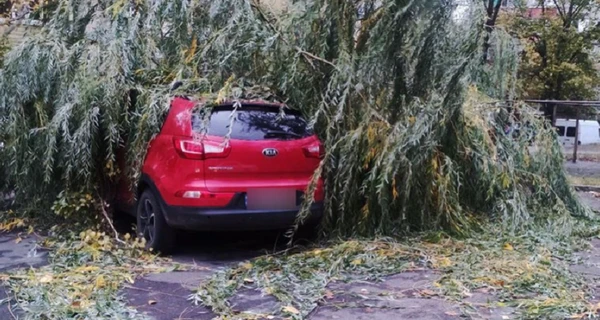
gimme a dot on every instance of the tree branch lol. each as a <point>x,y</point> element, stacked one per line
<point>489,8</point>
<point>312,56</point>
<point>307,55</point>
<point>560,12</point>
<point>103,206</point>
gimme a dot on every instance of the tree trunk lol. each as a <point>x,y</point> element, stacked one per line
<point>492,8</point>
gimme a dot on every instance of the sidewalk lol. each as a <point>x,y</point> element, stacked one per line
<point>15,254</point>
<point>407,295</point>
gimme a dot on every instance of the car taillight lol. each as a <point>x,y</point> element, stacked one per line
<point>190,148</point>
<point>314,151</point>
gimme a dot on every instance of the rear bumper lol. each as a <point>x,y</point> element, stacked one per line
<point>202,219</point>
<point>234,216</point>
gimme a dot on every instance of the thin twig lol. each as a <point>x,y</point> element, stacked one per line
<point>9,276</point>
<point>310,55</point>
<point>10,308</point>
<point>181,314</point>
<point>103,206</point>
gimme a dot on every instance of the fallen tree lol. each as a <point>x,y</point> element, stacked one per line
<point>412,121</point>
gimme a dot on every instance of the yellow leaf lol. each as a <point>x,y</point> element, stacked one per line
<point>505,181</point>
<point>46,278</point>
<point>508,247</point>
<point>444,262</point>
<point>129,279</point>
<point>291,310</point>
<point>365,211</point>
<point>427,292</point>
<point>18,239</point>
<point>192,51</point>
<point>86,269</point>
<point>247,266</point>
<point>434,164</point>
<point>328,294</point>
<point>356,262</point>
<point>100,283</point>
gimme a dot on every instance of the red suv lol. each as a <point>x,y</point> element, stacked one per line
<point>202,181</point>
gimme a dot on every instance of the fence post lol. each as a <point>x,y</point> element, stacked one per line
<point>576,137</point>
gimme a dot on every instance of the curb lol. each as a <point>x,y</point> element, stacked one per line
<point>587,188</point>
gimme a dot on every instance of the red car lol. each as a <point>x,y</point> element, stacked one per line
<point>255,180</point>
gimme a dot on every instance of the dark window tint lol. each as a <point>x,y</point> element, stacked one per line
<point>570,131</point>
<point>560,130</point>
<point>254,123</point>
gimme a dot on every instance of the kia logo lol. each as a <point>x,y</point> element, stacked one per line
<point>270,152</point>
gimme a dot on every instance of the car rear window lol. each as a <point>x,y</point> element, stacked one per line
<point>254,123</point>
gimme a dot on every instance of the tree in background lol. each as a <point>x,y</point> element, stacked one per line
<point>557,61</point>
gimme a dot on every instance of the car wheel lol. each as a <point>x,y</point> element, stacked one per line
<point>152,226</point>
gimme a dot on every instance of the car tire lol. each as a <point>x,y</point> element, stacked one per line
<point>152,226</point>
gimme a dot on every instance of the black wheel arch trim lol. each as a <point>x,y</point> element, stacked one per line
<point>146,180</point>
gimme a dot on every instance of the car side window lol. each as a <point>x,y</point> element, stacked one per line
<point>560,130</point>
<point>570,131</point>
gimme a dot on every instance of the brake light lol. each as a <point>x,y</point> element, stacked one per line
<point>314,151</point>
<point>190,148</point>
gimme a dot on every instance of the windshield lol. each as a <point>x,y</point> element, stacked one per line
<point>254,123</point>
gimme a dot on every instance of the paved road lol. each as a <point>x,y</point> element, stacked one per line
<point>583,168</point>
<point>17,254</point>
<point>210,252</point>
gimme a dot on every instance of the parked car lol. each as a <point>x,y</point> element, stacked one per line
<point>253,180</point>
<point>589,131</point>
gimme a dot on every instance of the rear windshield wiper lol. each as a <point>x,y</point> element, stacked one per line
<point>272,134</point>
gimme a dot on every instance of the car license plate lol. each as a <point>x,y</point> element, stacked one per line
<point>271,199</point>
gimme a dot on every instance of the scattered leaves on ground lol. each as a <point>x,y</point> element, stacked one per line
<point>83,278</point>
<point>528,272</point>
